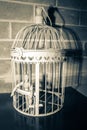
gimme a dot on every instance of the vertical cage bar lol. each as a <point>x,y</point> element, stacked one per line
<point>60,83</point>
<point>59,76</point>
<point>18,72</point>
<point>53,82</point>
<point>31,73</point>
<point>16,97</point>
<point>45,71</point>
<point>37,88</point>
<point>64,66</point>
<point>21,78</point>
<point>28,68</point>
<point>49,76</point>
<point>43,84</point>
<point>22,102</point>
<point>56,71</point>
<point>14,82</point>
<point>67,76</point>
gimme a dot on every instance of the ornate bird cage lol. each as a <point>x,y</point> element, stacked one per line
<point>38,70</point>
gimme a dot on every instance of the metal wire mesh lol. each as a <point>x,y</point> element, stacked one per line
<point>35,55</point>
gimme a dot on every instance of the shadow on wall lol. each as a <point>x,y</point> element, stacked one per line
<point>85,49</point>
<point>72,48</point>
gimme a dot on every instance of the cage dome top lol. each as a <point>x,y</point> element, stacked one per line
<point>38,36</point>
<point>41,37</point>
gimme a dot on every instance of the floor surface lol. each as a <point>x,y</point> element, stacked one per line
<point>73,116</point>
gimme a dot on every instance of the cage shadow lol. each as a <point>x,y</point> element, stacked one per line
<point>76,53</point>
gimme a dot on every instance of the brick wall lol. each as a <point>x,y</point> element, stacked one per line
<point>74,13</point>
<point>15,14</point>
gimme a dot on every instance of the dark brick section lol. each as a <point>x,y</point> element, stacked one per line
<point>63,15</point>
<point>5,48</point>
<point>68,16</point>
<point>85,48</point>
<point>4,30</point>
<point>16,27</point>
<point>83,18</point>
<point>13,11</point>
<point>84,67</point>
<point>50,2</point>
<point>78,4</point>
<point>80,32</point>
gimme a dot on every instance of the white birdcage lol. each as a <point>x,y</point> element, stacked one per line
<point>38,70</point>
